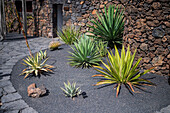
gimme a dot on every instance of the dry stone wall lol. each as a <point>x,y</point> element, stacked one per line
<point>147,27</point>
<point>42,13</point>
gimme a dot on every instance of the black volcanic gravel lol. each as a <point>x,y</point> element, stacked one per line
<point>96,99</point>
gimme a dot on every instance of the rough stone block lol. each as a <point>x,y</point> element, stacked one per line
<point>10,97</point>
<point>16,105</point>
<point>5,83</point>
<point>28,110</point>
<point>9,89</point>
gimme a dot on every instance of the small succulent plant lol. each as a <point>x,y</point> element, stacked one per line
<point>54,45</point>
<point>71,90</point>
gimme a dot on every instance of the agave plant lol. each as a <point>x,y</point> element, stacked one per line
<point>69,35</point>
<point>54,45</point>
<point>102,47</point>
<point>84,53</point>
<point>109,26</point>
<point>71,90</point>
<point>35,65</point>
<point>120,70</point>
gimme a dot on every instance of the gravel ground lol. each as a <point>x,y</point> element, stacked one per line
<point>96,99</point>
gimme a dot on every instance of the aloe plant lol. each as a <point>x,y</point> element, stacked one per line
<point>84,53</point>
<point>71,90</point>
<point>109,26</point>
<point>122,70</point>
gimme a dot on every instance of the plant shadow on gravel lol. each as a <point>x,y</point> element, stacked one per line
<point>169,80</point>
<point>141,88</point>
<point>39,75</point>
<point>84,95</point>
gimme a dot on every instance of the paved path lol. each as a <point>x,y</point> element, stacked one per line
<point>10,53</point>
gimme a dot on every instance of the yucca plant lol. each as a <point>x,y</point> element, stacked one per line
<point>54,45</point>
<point>71,90</point>
<point>35,65</point>
<point>102,47</point>
<point>122,70</point>
<point>84,53</point>
<point>109,26</point>
<point>69,34</point>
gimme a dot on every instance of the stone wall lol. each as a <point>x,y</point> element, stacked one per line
<point>147,27</point>
<point>39,21</point>
<point>42,13</point>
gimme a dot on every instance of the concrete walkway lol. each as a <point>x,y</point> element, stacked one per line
<point>10,53</point>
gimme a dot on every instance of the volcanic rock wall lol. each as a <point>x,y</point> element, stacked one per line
<point>147,27</point>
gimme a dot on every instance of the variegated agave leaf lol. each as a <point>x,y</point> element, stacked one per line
<point>122,70</point>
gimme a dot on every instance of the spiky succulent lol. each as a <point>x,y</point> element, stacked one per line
<point>54,45</point>
<point>84,53</point>
<point>69,34</point>
<point>71,90</point>
<point>35,65</point>
<point>102,47</point>
<point>122,70</point>
<point>109,26</point>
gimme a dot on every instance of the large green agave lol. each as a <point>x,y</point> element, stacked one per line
<point>120,70</point>
<point>109,26</point>
<point>84,53</point>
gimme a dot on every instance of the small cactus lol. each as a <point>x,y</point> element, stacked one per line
<point>54,45</point>
<point>71,90</point>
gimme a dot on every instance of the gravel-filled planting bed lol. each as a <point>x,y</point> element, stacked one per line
<point>95,99</point>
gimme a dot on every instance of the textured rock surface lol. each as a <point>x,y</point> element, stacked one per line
<point>36,92</point>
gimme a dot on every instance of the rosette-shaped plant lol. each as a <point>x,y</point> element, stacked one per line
<point>122,70</point>
<point>35,65</point>
<point>109,26</point>
<point>71,90</point>
<point>84,53</point>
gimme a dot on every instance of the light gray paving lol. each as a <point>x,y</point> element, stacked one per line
<point>15,105</point>
<point>10,53</point>
<point>10,97</point>
<point>12,111</point>
<point>28,110</point>
<point>9,89</point>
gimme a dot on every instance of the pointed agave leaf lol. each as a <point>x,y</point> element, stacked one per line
<point>70,89</point>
